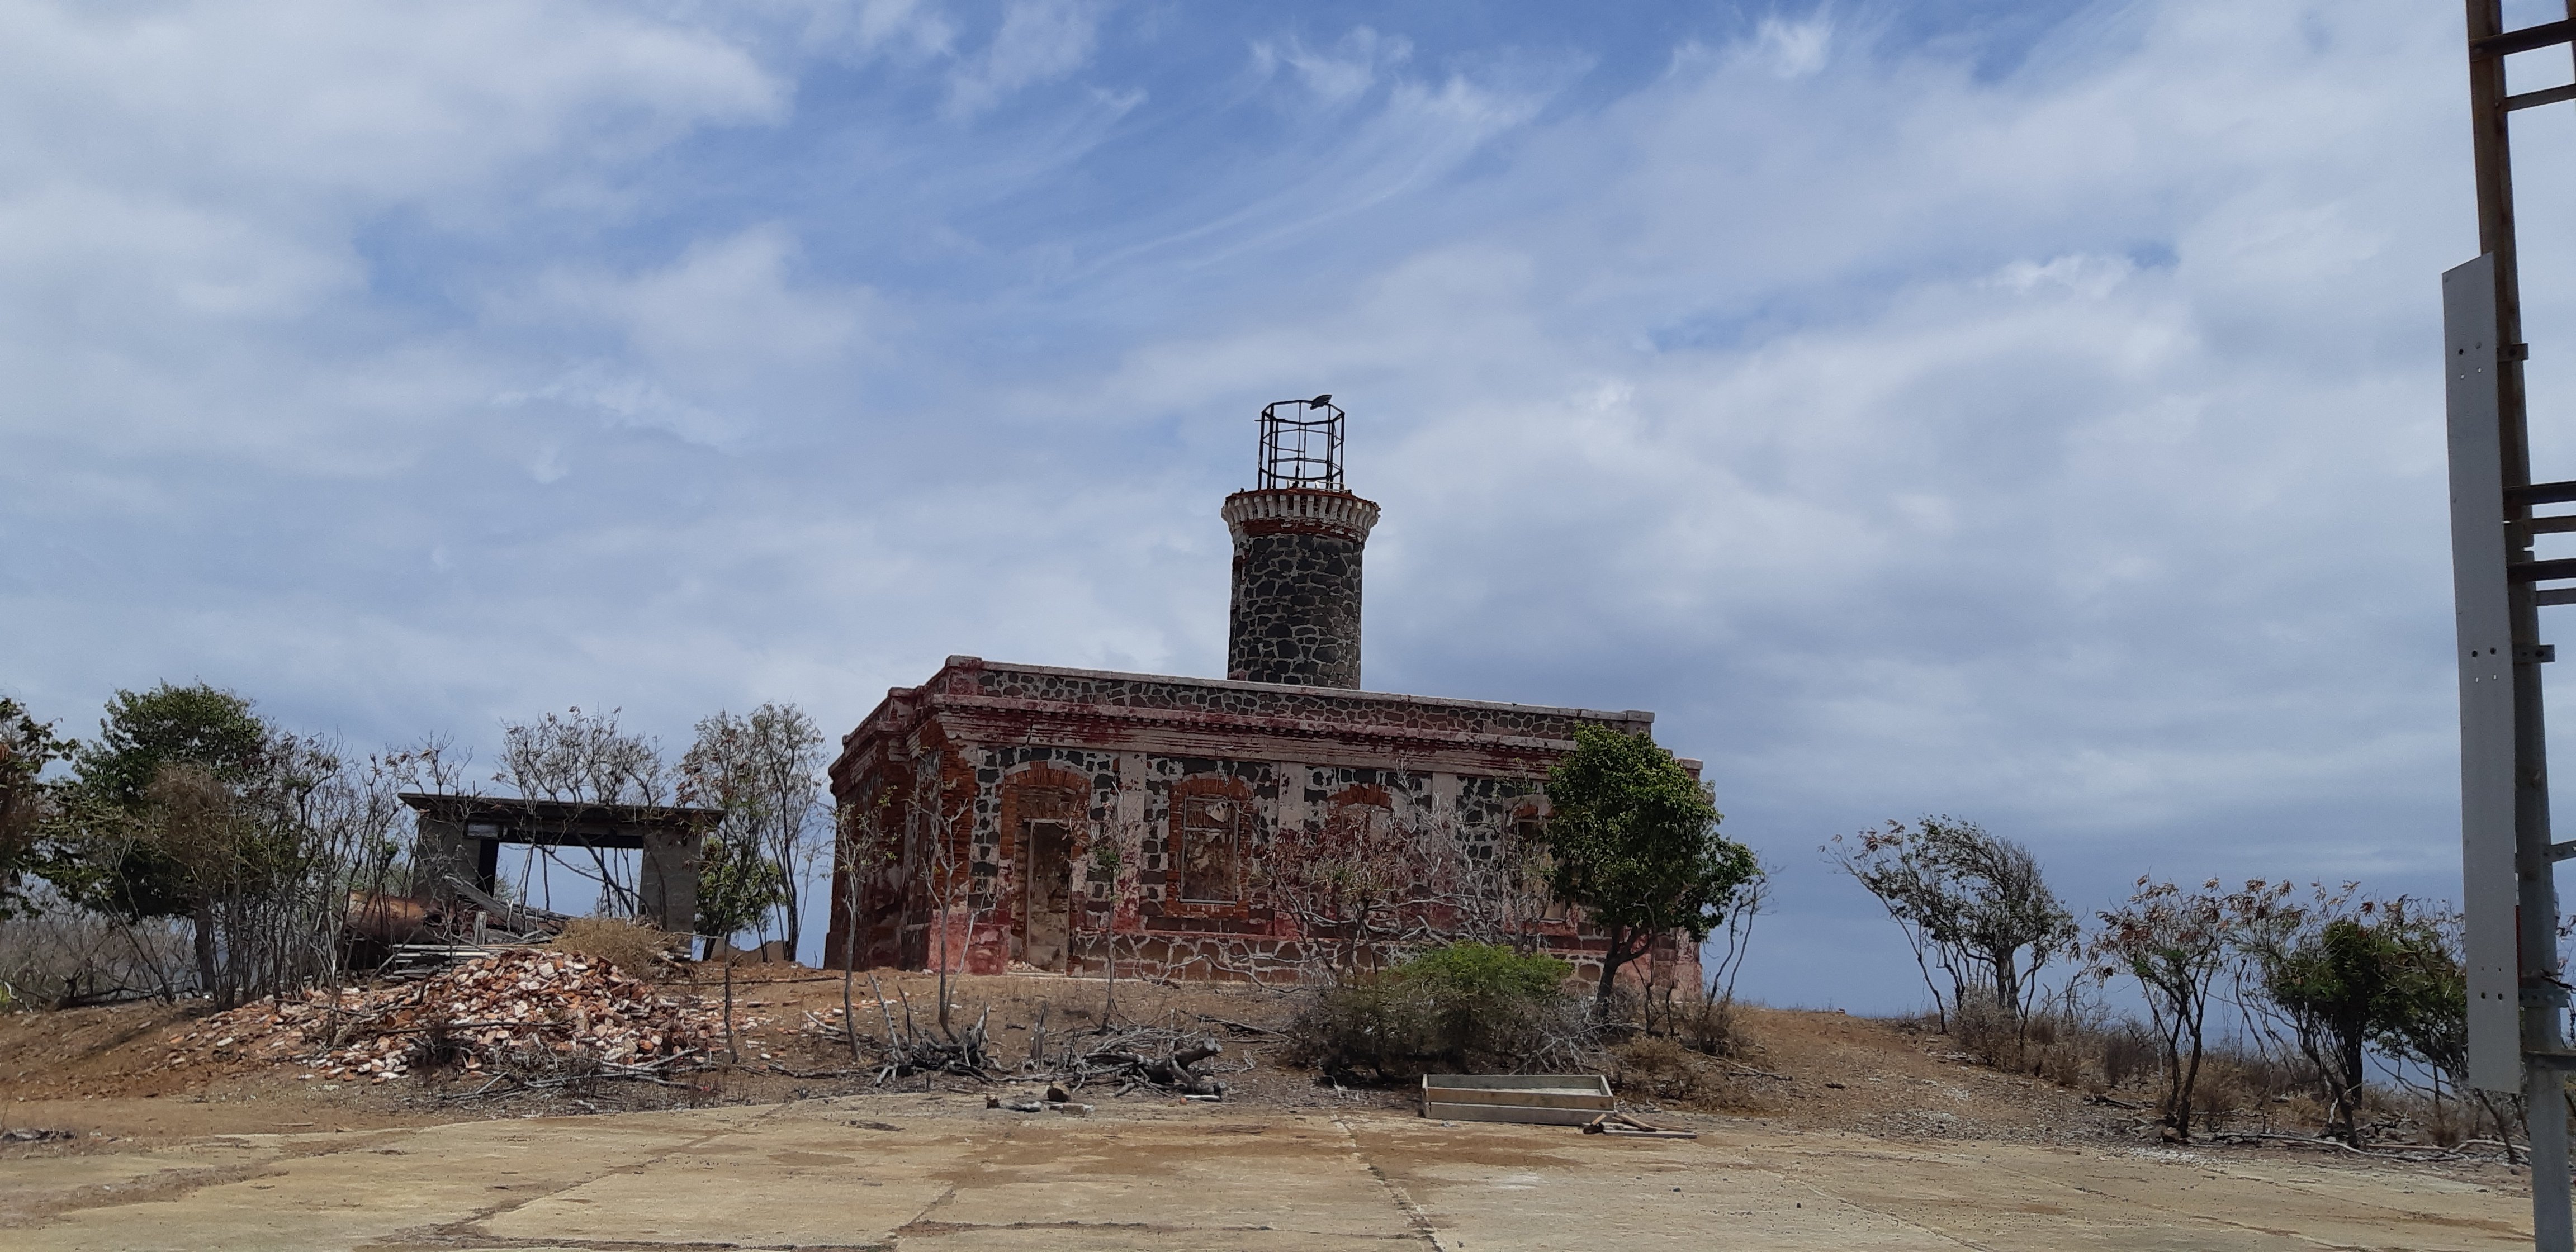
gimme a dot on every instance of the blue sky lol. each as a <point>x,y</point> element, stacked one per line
<point>2024,412</point>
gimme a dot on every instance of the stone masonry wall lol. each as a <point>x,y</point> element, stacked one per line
<point>1295,616</point>
<point>1296,612</point>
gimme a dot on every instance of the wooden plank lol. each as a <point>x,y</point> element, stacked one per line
<point>1516,1082</point>
<point>2541,571</point>
<point>2528,493</point>
<point>2535,99</point>
<point>2524,40</point>
<point>1519,1099</point>
<point>1507,1113</point>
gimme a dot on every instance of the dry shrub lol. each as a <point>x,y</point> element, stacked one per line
<point>2077,1046</point>
<point>2128,1051</point>
<point>2058,1050</point>
<point>1468,1007</point>
<point>2247,1086</point>
<point>1711,1027</point>
<point>1372,1025</point>
<point>2443,1119</point>
<point>66,956</point>
<point>631,947</point>
<point>1989,1031</point>
<point>1660,1067</point>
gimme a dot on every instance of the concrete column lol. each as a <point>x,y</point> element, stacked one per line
<point>669,882</point>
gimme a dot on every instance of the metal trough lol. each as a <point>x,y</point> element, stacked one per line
<point>1544,1099</point>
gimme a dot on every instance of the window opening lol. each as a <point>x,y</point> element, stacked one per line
<point>1210,853</point>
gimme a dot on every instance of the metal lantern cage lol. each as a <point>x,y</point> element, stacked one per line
<point>1301,444</point>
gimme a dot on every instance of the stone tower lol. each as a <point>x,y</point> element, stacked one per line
<point>1297,543</point>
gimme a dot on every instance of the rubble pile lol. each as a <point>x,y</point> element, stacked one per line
<point>515,1010</point>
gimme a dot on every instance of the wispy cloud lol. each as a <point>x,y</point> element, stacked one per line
<point>1039,41</point>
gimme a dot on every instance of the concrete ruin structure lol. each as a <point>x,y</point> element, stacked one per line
<point>1269,824</point>
<point>457,849</point>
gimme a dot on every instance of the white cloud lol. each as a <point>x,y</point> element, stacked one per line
<point>184,191</point>
<point>1793,49</point>
<point>724,323</point>
<point>279,103</point>
<point>1039,41</point>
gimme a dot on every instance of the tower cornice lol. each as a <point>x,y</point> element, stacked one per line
<point>1299,511</point>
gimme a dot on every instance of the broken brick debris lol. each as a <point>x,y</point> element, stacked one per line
<point>513,1010</point>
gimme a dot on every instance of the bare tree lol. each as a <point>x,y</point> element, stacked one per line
<point>1972,904</point>
<point>1492,883</point>
<point>267,857</point>
<point>1733,940</point>
<point>946,866</point>
<point>1105,863</point>
<point>1354,886</point>
<point>2176,944</point>
<point>764,770</point>
<point>434,766</point>
<point>584,759</point>
<point>869,840</point>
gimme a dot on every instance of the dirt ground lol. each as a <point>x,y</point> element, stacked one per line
<point>1871,1133</point>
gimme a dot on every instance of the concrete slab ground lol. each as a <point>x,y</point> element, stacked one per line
<point>942,1173</point>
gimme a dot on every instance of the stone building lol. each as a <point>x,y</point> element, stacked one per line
<point>1260,825</point>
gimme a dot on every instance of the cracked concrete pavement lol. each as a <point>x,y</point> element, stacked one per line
<point>940,1172</point>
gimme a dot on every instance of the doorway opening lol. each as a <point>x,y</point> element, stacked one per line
<point>1045,925</point>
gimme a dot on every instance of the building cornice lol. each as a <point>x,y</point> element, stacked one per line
<point>979,700</point>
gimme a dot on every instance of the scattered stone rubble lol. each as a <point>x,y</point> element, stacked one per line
<point>518,1010</point>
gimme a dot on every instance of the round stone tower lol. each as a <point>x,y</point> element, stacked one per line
<point>1297,543</point>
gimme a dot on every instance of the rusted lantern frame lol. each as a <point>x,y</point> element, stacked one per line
<point>1301,445</point>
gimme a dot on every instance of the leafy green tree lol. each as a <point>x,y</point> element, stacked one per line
<point>2346,977</point>
<point>737,886</point>
<point>2428,1001</point>
<point>1632,840</point>
<point>27,746</point>
<point>200,725</point>
<point>189,805</point>
<point>110,858</point>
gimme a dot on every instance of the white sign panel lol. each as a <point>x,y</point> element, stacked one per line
<point>2486,674</point>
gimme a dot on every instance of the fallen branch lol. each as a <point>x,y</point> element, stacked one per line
<point>1624,1126</point>
<point>1155,1057</point>
<point>2315,1141</point>
<point>1241,1028</point>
